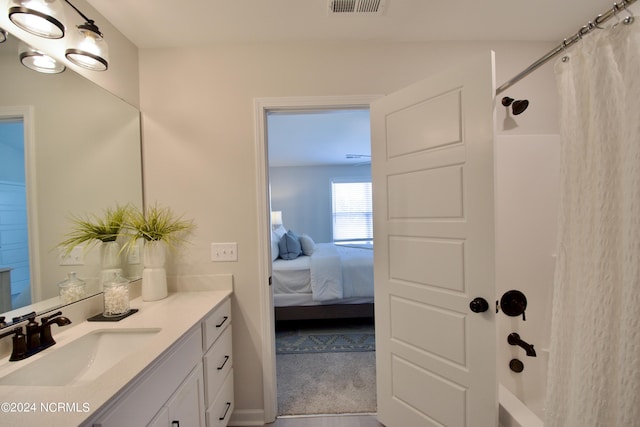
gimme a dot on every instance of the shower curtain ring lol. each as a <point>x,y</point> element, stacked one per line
<point>629,19</point>
<point>616,8</point>
<point>566,56</point>
<point>585,29</point>
<point>596,22</point>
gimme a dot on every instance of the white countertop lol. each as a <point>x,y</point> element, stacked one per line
<point>38,405</point>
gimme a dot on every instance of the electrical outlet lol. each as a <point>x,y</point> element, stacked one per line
<point>75,257</point>
<point>224,252</point>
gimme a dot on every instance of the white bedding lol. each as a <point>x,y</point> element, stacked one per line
<point>331,273</point>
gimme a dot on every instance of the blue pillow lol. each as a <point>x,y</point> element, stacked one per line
<point>289,246</point>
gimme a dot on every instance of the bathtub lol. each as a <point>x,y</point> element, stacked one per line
<point>514,413</point>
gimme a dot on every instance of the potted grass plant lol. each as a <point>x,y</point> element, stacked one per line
<point>92,229</point>
<point>159,228</point>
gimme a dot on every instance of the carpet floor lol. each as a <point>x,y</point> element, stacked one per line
<point>326,369</point>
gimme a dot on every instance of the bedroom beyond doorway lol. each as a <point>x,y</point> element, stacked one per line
<point>325,351</point>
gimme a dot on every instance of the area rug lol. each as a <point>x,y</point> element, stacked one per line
<point>326,368</point>
<point>356,336</point>
<point>326,383</point>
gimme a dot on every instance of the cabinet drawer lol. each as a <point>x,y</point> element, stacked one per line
<point>220,411</point>
<point>217,364</point>
<point>216,323</point>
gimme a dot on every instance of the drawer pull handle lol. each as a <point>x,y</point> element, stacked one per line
<point>226,359</point>
<point>224,319</point>
<point>225,412</point>
<point>175,423</point>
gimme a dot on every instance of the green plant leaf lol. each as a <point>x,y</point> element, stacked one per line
<point>91,229</point>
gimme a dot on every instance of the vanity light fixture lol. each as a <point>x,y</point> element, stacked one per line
<point>3,36</point>
<point>44,18</point>
<point>38,61</point>
<point>92,51</point>
<point>40,17</point>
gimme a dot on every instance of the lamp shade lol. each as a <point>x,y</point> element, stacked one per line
<point>40,17</point>
<point>38,61</point>
<point>276,219</point>
<point>91,51</point>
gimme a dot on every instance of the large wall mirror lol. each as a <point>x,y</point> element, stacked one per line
<point>77,148</point>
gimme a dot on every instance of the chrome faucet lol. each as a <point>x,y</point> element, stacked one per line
<point>37,338</point>
<point>514,339</point>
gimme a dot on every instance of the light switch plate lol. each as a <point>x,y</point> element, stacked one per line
<point>75,257</point>
<point>224,252</point>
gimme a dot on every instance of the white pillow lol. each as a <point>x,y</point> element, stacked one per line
<point>275,250</point>
<point>307,243</point>
<point>280,231</point>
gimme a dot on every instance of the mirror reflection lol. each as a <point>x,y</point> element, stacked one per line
<point>67,148</point>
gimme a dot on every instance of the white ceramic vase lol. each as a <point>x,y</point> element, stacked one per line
<point>110,255</point>
<point>154,276</point>
<point>110,259</point>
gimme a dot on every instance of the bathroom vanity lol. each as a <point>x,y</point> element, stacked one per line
<point>169,364</point>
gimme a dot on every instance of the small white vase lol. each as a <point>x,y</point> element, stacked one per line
<point>110,255</point>
<point>110,259</point>
<point>154,276</point>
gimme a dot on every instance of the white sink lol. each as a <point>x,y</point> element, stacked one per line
<point>82,360</point>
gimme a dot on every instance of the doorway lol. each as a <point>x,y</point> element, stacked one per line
<point>297,215</point>
<point>15,289</point>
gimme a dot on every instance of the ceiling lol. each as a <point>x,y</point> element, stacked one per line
<point>164,23</point>
<point>323,137</point>
<point>295,139</point>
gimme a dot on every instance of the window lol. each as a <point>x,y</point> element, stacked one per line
<point>352,212</point>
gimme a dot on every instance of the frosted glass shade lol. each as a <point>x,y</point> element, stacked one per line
<point>40,17</point>
<point>91,52</point>
<point>38,61</point>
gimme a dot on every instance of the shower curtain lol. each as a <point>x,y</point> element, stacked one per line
<point>594,360</point>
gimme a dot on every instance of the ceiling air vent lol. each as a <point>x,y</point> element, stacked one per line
<point>374,7</point>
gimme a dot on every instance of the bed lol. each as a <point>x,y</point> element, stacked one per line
<point>326,281</point>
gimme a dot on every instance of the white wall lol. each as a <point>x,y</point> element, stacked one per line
<point>199,140</point>
<point>303,194</point>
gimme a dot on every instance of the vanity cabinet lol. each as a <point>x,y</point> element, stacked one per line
<point>191,384</point>
<point>184,408</point>
<point>218,366</point>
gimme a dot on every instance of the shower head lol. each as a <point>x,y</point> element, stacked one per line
<point>517,106</point>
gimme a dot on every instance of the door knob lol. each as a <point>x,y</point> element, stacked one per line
<point>478,305</point>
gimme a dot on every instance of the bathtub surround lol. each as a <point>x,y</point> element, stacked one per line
<point>527,180</point>
<point>594,365</point>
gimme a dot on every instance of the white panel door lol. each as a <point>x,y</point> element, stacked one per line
<point>432,153</point>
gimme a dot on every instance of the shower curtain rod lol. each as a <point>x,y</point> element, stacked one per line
<point>591,25</point>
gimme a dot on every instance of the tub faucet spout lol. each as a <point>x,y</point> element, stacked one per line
<point>514,339</point>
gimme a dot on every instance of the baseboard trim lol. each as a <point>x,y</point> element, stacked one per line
<point>247,417</point>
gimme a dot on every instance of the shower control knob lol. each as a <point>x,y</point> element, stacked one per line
<point>513,303</point>
<point>479,305</point>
